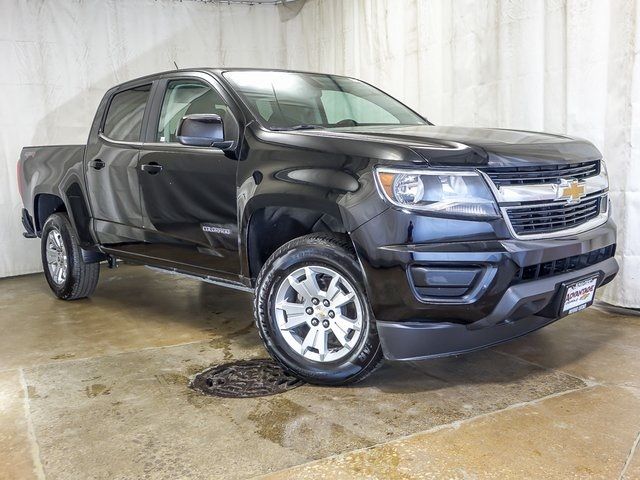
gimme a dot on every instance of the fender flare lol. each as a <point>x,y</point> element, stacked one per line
<point>319,206</point>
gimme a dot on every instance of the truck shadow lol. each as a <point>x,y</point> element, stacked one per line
<point>542,357</point>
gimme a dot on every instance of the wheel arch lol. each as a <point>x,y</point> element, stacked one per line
<point>44,205</point>
<point>73,203</point>
<point>269,226</point>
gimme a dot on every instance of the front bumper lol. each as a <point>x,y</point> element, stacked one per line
<point>504,302</point>
<point>420,340</point>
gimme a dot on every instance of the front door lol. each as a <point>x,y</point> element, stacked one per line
<point>111,162</point>
<point>188,193</point>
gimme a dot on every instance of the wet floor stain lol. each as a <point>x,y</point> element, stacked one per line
<point>273,419</point>
<point>63,356</point>
<point>293,426</point>
<point>31,392</point>
<point>96,390</point>
<point>387,465</point>
<point>222,343</point>
<point>172,379</point>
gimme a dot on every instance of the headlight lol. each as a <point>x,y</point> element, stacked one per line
<point>447,193</point>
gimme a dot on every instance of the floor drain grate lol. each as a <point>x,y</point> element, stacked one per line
<point>245,378</point>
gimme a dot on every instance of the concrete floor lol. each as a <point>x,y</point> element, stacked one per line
<point>98,389</point>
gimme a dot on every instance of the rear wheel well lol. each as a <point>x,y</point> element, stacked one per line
<point>271,227</point>
<point>44,205</point>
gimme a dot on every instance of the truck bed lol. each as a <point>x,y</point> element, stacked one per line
<point>48,170</point>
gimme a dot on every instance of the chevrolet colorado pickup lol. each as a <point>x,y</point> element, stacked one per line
<point>363,230</point>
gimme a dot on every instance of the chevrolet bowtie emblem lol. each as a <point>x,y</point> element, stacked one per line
<point>570,190</point>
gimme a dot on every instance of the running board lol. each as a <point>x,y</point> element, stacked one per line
<point>207,279</point>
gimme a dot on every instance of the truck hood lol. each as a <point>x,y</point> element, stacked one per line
<point>449,146</point>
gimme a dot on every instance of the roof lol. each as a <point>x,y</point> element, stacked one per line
<point>217,71</point>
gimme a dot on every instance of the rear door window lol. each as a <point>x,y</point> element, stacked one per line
<point>125,114</point>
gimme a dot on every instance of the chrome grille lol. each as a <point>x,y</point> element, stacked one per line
<point>541,174</point>
<point>553,216</point>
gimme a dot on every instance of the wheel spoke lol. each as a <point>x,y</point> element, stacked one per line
<point>321,343</point>
<point>51,255</point>
<point>291,309</point>
<point>342,299</point>
<point>295,315</point>
<point>293,322</point>
<point>56,272</point>
<point>332,289</point>
<point>346,324</point>
<point>309,340</point>
<point>310,282</point>
<point>63,274</point>
<point>340,333</point>
<point>307,288</point>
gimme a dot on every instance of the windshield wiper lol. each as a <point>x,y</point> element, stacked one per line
<point>302,126</point>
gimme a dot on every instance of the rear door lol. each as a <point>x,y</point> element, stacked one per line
<point>111,162</point>
<point>189,193</point>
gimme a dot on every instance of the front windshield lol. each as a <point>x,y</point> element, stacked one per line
<point>291,100</point>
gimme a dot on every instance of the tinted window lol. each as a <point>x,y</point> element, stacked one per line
<point>126,111</point>
<point>188,97</point>
<point>342,106</point>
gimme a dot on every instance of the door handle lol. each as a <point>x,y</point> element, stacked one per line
<point>151,168</point>
<point>97,164</point>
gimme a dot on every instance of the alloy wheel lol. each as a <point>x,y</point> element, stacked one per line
<point>57,258</point>
<point>319,313</point>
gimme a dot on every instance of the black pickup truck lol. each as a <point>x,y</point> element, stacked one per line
<point>363,230</point>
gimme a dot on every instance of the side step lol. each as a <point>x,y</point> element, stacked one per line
<point>208,279</point>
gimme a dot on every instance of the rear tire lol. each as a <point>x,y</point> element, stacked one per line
<point>312,311</point>
<point>68,276</point>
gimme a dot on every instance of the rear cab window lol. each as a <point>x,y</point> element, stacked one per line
<point>126,113</point>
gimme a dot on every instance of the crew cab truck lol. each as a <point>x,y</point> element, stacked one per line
<point>363,230</point>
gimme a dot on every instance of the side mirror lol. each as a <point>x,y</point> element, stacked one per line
<point>202,130</point>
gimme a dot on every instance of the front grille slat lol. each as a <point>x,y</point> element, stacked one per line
<point>541,174</point>
<point>552,208</point>
<point>553,217</point>
<point>541,222</point>
<point>544,178</point>
<point>562,265</point>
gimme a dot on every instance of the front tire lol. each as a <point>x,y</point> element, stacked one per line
<point>68,276</point>
<point>313,314</point>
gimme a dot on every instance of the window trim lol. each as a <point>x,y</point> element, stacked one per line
<point>121,89</point>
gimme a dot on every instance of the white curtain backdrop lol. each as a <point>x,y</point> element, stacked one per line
<point>58,57</point>
<point>562,66</point>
